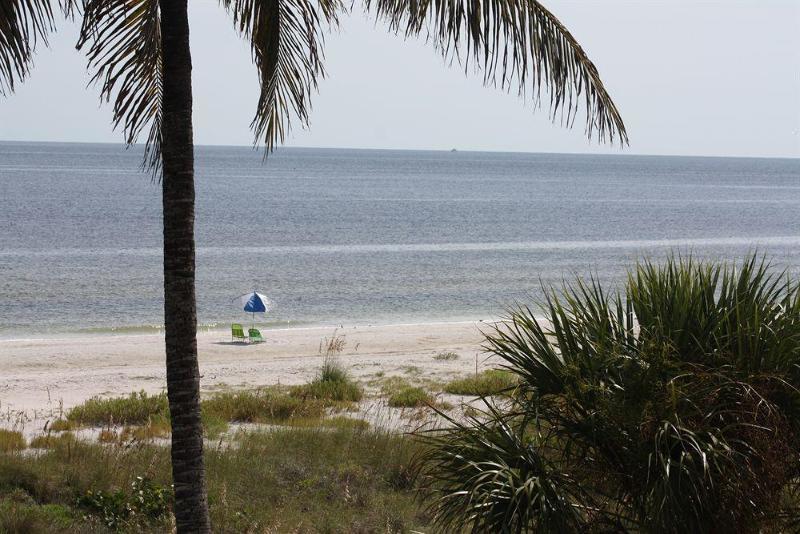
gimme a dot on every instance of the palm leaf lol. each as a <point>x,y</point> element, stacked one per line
<point>23,25</point>
<point>515,43</point>
<point>124,50</point>
<point>286,40</point>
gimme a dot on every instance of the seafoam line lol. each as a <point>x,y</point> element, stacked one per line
<point>632,244</point>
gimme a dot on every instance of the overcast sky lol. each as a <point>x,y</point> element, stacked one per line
<point>690,77</point>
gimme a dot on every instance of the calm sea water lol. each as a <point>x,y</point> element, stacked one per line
<point>357,236</point>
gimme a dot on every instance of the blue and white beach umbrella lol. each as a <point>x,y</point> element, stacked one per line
<point>255,303</point>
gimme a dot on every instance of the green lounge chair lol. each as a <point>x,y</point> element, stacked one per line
<point>237,332</point>
<point>255,336</point>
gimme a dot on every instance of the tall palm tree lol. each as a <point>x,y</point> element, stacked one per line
<point>139,53</point>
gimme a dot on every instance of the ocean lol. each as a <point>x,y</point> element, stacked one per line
<point>365,236</point>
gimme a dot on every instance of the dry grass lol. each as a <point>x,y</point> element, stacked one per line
<point>61,425</point>
<point>266,405</point>
<point>344,477</point>
<point>53,441</point>
<point>135,409</point>
<point>11,440</point>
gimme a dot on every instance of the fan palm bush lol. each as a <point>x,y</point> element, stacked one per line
<point>669,406</point>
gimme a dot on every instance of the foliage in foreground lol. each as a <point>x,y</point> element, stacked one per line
<point>669,407</point>
<point>344,477</point>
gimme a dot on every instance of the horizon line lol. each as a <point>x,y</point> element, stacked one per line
<point>260,148</point>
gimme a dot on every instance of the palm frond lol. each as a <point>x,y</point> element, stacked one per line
<point>23,25</point>
<point>124,51</point>
<point>286,40</point>
<point>490,473</point>
<point>675,403</point>
<point>515,43</point>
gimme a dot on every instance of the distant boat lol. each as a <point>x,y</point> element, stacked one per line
<point>453,150</point>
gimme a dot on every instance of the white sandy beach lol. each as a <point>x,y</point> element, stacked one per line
<point>39,377</point>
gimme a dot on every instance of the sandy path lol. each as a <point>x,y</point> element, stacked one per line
<point>39,376</point>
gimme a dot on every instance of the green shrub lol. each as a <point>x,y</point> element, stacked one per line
<point>338,476</point>
<point>410,397</point>
<point>671,406</point>
<point>329,391</point>
<point>340,479</point>
<point>448,355</point>
<point>18,516</point>
<point>267,405</point>
<point>332,371</point>
<point>332,384</point>
<point>135,409</point>
<point>146,502</point>
<point>11,440</point>
<point>143,417</point>
<point>485,384</point>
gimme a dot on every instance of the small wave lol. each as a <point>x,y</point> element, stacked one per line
<point>141,329</point>
<point>632,244</point>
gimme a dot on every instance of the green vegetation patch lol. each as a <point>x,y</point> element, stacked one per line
<point>446,356</point>
<point>146,417</point>
<point>267,405</point>
<point>135,409</point>
<point>485,384</point>
<point>345,477</point>
<point>329,391</point>
<point>61,425</point>
<point>11,440</point>
<point>332,384</point>
<point>410,397</point>
<point>317,479</point>
<point>20,513</point>
<point>53,441</point>
<point>146,503</point>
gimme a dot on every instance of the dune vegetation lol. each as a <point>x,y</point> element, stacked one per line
<point>343,474</point>
<point>667,406</point>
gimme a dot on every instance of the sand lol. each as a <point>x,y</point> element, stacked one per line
<point>39,377</point>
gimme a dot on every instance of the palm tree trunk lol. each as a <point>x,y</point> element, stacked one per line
<point>180,314</point>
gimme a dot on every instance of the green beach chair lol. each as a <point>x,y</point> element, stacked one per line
<point>237,332</point>
<point>255,336</point>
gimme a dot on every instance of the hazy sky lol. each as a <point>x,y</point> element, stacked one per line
<point>690,77</point>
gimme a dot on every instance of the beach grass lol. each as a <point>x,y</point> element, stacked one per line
<point>484,384</point>
<point>445,356</point>
<point>344,477</point>
<point>264,405</point>
<point>61,425</point>
<point>409,397</point>
<point>135,409</point>
<point>332,384</point>
<point>53,441</point>
<point>11,440</point>
<point>143,416</point>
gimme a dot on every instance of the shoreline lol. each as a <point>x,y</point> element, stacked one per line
<point>223,328</point>
<point>39,378</point>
